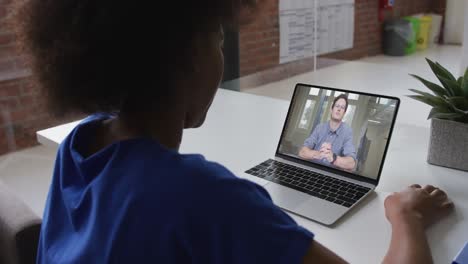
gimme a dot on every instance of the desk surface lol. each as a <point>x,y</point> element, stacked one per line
<point>242,130</point>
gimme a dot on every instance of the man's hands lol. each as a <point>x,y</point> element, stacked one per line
<point>326,152</point>
<point>419,205</point>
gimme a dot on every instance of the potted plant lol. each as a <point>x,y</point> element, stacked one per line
<point>448,144</point>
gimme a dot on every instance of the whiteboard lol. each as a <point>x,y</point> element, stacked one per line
<point>333,21</point>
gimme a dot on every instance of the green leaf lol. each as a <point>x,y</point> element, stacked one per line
<point>428,95</point>
<point>464,84</point>
<point>431,100</point>
<point>459,102</point>
<point>459,105</point>
<point>435,100</point>
<point>438,110</point>
<point>449,116</point>
<point>447,73</point>
<point>440,70</point>
<point>435,88</point>
<point>451,86</point>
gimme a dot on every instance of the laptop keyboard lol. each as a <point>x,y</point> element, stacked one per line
<point>318,185</point>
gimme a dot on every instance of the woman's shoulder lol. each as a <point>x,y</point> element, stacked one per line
<point>208,175</point>
<point>209,178</point>
<point>198,164</point>
<point>191,173</point>
<point>194,183</point>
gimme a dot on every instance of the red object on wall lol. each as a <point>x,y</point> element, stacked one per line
<point>385,5</point>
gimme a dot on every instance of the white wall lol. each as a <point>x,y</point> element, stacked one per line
<point>454,19</point>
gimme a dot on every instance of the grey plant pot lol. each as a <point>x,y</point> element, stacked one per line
<point>448,145</point>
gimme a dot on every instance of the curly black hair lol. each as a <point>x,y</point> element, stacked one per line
<point>113,55</point>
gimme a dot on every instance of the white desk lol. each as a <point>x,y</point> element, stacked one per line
<point>242,130</point>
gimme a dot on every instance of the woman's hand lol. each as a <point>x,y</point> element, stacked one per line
<point>424,205</point>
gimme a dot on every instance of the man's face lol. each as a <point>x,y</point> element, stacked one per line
<point>338,110</point>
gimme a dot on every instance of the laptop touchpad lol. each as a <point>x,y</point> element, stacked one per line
<point>285,197</point>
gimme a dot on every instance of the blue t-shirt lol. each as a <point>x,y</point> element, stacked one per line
<point>136,201</point>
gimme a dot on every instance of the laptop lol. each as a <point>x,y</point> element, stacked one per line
<point>331,151</point>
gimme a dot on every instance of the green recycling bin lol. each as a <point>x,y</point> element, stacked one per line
<point>415,25</point>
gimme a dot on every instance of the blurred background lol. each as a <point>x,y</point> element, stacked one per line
<point>290,37</point>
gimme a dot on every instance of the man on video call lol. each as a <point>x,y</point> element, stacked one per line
<point>331,143</point>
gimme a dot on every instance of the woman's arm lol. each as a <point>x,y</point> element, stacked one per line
<point>410,212</point>
<point>408,244</point>
<point>318,254</point>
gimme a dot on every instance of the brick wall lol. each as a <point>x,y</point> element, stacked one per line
<point>259,42</point>
<point>22,109</point>
<point>439,6</point>
<point>9,59</point>
<point>22,112</point>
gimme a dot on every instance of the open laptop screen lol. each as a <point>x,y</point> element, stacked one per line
<point>340,129</point>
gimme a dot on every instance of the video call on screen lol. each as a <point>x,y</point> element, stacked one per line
<point>343,130</point>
